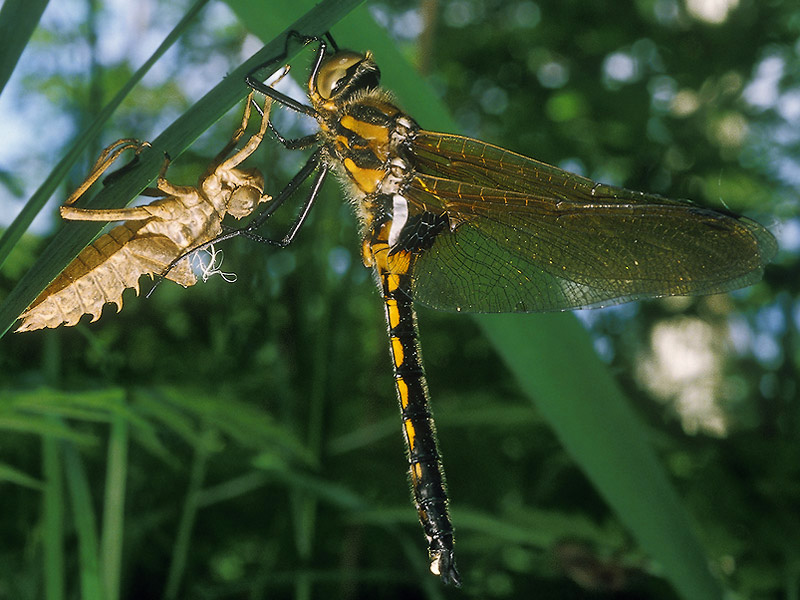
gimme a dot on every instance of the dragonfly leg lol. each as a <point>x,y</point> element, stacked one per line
<point>280,97</point>
<point>293,144</point>
<point>249,231</point>
<point>290,144</point>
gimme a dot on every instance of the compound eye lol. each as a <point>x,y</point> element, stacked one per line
<point>335,72</point>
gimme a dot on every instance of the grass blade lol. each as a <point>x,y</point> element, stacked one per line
<point>85,523</point>
<point>191,505</point>
<point>53,519</point>
<point>18,20</point>
<point>114,506</point>
<point>13,475</point>
<point>595,423</point>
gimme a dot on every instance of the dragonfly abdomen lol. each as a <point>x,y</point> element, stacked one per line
<point>427,480</point>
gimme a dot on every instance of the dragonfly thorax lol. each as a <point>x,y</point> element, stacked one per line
<point>367,144</point>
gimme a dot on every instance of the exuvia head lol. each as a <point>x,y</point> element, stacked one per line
<point>342,74</point>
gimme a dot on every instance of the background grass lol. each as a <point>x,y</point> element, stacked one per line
<point>236,439</point>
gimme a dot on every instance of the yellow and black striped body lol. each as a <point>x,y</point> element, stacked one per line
<point>366,140</point>
<point>427,480</point>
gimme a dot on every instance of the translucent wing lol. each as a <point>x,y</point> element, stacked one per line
<point>526,236</point>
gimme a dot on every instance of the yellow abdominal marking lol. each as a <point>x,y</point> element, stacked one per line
<point>392,282</point>
<point>411,435</point>
<point>397,352</point>
<point>392,312</point>
<point>416,472</point>
<point>402,392</point>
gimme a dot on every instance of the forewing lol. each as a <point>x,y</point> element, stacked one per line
<point>526,236</point>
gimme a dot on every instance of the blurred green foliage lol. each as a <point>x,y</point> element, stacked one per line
<point>251,428</point>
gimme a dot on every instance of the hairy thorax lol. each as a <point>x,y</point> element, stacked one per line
<point>367,141</point>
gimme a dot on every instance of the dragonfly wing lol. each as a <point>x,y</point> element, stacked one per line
<point>469,160</point>
<point>525,236</point>
<point>469,271</point>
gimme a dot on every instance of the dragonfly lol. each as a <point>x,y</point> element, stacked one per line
<point>462,225</point>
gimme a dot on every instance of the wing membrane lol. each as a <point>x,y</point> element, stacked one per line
<point>527,236</point>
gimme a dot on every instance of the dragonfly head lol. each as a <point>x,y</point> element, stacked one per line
<point>341,75</point>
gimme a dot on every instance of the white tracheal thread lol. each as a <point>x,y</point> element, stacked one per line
<point>399,218</point>
<point>208,262</point>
